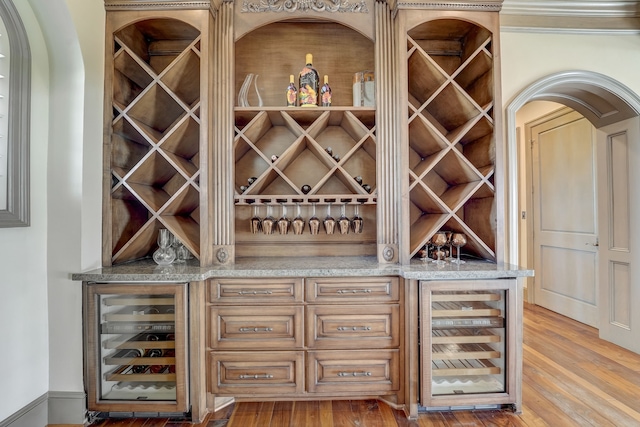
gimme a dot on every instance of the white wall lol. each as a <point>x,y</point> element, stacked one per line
<point>527,57</point>
<point>23,257</point>
<point>42,348</point>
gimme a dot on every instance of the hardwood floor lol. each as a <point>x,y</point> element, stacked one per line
<point>570,378</point>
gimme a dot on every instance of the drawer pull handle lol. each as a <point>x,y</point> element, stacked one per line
<point>354,291</point>
<point>256,377</point>
<point>256,329</point>
<point>354,328</point>
<point>354,374</point>
<point>254,292</point>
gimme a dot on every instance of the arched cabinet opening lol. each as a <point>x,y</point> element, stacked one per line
<point>152,142</point>
<point>299,162</point>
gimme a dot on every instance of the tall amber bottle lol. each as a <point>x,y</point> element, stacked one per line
<point>308,84</point>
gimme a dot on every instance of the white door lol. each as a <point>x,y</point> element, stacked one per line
<point>619,321</point>
<point>565,231</point>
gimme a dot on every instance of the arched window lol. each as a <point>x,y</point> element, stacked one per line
<point>15,95</point>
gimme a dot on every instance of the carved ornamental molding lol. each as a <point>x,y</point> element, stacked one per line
<point>342,6</point>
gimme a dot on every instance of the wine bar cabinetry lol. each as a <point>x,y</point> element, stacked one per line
<point>136,355</point>
<point>303,221</point>
<point>468,334</point>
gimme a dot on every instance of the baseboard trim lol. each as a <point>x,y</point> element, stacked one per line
<point>32,415</point>
<point>67,407</point>
<point>54,407</point>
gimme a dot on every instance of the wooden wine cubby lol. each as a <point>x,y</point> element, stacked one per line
<point>452,129</point>
<point>154,129</point>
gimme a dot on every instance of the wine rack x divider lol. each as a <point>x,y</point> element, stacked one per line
<point>451,133</point>
<point>155,137</point>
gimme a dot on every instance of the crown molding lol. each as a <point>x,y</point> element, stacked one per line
<point>156,4</point>
<point>596,9</point>
<point>569,25</point>
<point>479,5</point>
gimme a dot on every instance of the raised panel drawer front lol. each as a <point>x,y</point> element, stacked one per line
<point>368,289</point>
<point>255,328</point>
<point>255,373</point>
<point>353,326</point>
<point>362,371</point>
<point>255,291</point>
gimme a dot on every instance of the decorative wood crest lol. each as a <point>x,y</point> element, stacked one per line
<point>343,6</point>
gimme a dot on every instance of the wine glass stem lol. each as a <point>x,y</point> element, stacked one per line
<point>458,253</point>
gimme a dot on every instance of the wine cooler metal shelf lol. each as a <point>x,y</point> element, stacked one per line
<point>451,134</point>
<point>139,353</point>
<point>154,138</point>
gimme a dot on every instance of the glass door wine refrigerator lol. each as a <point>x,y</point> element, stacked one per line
<point>469,354</point>
<point>136,349</point>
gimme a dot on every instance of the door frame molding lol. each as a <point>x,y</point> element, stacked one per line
<point>560,87</point>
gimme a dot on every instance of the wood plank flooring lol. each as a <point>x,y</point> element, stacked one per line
<point>570,378</point>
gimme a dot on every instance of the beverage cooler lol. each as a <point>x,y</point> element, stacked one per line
<point>136,348</point>
<point>468,344</point>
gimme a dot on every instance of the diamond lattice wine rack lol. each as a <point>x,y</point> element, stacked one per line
<point>451,134</point>
<point>154,146</point>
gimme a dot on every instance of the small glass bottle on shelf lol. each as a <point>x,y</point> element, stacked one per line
<point>325,92</point>
<point>308,84</point>
<point>292,93</point>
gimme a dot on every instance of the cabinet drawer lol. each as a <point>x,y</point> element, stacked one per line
<point>259,291</point>
<point>248,328</point>
<point>363,371</point>
<point>245,373</point>
<point>353,326</point>
<point>352,289</point>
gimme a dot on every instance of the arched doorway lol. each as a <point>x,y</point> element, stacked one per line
<point>609,106</point>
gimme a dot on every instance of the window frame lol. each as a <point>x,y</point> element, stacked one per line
<point>17,212</point>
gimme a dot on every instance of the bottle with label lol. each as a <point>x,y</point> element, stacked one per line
<point>308,84</point>
<point>325,93</point>
<point>292,94</point>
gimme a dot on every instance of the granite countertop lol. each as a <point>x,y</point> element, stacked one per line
<point>148,271</point>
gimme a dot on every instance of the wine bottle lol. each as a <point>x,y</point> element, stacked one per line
<point>155,352</point>
<point>325,92</point>
<point>308,84</point>
<point>292,93</point>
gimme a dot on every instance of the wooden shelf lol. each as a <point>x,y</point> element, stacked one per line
<point>463,336</point>
<point>463,367</point>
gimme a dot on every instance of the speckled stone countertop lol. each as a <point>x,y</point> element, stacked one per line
<point>148,271</point>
